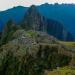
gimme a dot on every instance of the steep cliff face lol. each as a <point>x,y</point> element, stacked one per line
<point>63,13</point>
<point>57,30</point>
<point>33,20</point>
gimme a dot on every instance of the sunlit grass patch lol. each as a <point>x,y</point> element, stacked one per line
<point>63,71</point>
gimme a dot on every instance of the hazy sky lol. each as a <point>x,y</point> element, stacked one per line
<point>5,4</point>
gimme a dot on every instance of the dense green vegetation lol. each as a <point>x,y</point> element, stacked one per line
<point>24,55</point>
<point>8,31</point>
<point>31,64</point>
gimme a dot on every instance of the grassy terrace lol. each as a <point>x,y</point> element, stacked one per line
<point>63,71</point>
<point>70,44</point>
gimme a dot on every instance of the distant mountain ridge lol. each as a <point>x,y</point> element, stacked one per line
<point>16,14</point>
<point>33,20</point>
<point>47,10</point>
<point>64,13</point>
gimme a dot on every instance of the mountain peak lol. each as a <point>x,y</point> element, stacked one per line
<point>32,10</point>
<point>32,18</point>
<point>33,6</point>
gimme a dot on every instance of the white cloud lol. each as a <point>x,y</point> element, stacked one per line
<point>5,4</point>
